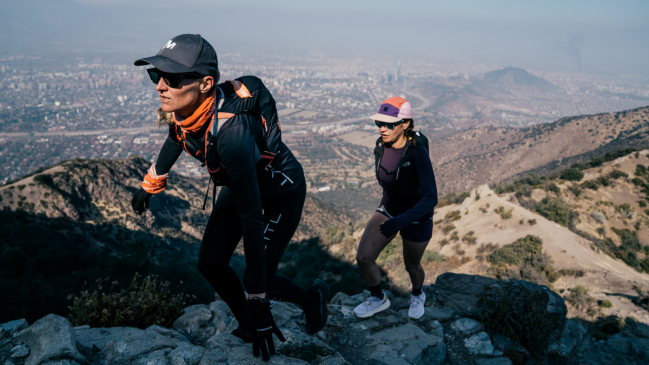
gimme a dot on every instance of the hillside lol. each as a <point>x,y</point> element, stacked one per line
<point>508,97</point>
<point>488,155</point>
<point>72,223</point>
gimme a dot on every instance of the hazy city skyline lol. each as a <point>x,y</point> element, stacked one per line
<point>577,36</point>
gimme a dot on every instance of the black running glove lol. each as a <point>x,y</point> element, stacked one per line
<point>140,201</point>
<point>262,326</point>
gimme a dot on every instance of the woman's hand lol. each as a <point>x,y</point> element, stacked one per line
<point>140,201</point>
<point>263,327</point>
<point>388,228</point>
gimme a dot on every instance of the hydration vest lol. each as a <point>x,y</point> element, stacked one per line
<point>406,182</point>
<point>245,94</point>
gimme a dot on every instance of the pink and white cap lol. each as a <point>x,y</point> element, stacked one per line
<point>393,110</point>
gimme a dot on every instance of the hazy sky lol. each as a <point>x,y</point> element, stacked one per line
<point>599,36</point>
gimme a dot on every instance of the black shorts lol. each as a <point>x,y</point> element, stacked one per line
<point>415,231</point>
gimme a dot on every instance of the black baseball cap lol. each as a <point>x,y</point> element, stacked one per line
<point>185,53</point>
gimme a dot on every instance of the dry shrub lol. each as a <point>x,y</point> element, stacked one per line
<point>504,213</point>
<point>454,236</point>
<point>443,242</point>
<point>487,247</point>
<point>582,301</point>
<point>447,228</point>
<point>453,216</point>
<point>458,250</point>
<point>469,238</point>
<point>142,303</point>
<point>453,261</point>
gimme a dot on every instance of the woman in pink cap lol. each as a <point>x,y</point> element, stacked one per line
<point>405,173</point>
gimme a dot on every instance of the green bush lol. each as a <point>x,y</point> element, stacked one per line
<point>523,260</point>
<point>572,174</point>
<point>616,174</point>
<point>142,303</point>
<point>580,299</point>
<point>554,188</point>
<point>504,213</point>
<point>453,216</point>
<point>521,315</point>
<point>605,303</point>
<point>516,253</point>
<point>591,184</point>
<point>556,210</point>
<point>575,189</point>
<point>432,255</point>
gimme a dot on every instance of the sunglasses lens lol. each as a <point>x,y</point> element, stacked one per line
<point>172,81</point>
<point>153,75</point>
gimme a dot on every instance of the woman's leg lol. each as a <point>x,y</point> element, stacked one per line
<point>281,219</point>
<point>412,254</point>
<point>222,234</point>
<point>371,245</point>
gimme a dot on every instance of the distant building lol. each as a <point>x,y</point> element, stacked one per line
<point>399,80</point>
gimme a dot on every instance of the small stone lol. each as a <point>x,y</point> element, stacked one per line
<point>436,329</point>
<point>15,326</point>
<point>466,326</point>
<point>20,351</point>
<point>479,344</point>
<point>194,308</point>
<point>442,314</point>
<point>496,361</point>
<point>344,299</point>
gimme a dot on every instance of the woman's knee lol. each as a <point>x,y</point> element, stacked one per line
<point>414,268</point>
<point>364,261</point>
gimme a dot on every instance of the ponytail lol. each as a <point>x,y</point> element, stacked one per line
<point>164,118</point>
<point>410,133</point>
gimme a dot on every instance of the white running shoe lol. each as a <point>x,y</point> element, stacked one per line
<point>371,306</point>
<point>416,306</point>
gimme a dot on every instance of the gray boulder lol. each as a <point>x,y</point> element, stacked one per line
<point>89,337</point>
<point>408,343</point>
<point>15,326</point>
<point>194,308</point>
<point>186,354</point>
<point>459,292</point>
<point>193,321</point>
<point>123,351</point>
<point>49,338</point>
<point>157,357</point>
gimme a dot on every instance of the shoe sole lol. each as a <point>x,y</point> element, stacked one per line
<point>323,290</point>
<point>421,315</point>
<point>380,308</point>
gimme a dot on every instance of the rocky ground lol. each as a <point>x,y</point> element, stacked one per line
<point>448,333</point>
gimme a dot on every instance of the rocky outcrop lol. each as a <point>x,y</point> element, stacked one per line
<point>448,333</point>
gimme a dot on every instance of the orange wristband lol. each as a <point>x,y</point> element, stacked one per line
<point>154,183</point>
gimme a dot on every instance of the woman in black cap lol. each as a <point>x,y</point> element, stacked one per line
<point>264,187</point>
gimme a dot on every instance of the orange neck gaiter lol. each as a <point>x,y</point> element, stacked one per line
<point>201,115</point>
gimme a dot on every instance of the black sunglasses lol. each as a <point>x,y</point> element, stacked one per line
<point>389,126</point>
<point>172,80</point>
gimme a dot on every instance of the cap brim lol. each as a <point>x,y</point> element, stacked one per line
<point>163,64</point>
<point>385,118</point>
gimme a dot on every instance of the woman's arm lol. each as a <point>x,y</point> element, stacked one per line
<point>425,204</point>
<point>169,153</point>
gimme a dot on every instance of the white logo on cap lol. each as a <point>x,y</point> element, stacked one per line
<point>169,45</point>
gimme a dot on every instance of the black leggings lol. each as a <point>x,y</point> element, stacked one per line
<point>222,235</point>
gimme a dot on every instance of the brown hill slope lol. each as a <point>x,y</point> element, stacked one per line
<point>488,155</point>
